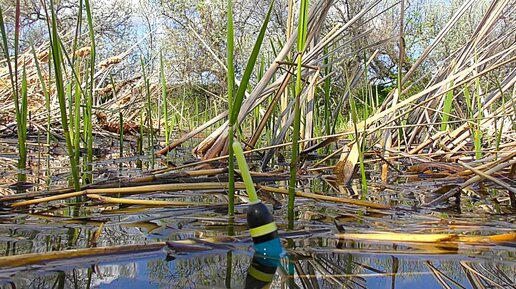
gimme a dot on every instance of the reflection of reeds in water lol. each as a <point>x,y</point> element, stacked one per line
<point>455,125</point>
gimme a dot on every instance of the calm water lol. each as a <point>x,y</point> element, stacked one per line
<point>357,266</point>
<point>317,258</point>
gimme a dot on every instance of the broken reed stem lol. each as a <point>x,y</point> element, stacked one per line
<point>325,198</point>
<point>41,258</point>
<point>160,203</point>
<point>428,238</point>
<point>133,190</point>
<point>36,258</point>
<point>469,182</point>
<point>489,177</point>
<point>195,186</point>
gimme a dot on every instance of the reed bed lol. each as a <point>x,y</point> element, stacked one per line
<point>450,134</point>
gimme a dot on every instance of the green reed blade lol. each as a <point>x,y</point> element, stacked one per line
<point>448,100</point>
<point>244,171</point>
<point>231,83</point>
<point>150,135</point>
<point>89,96</point>
<point>301,39</point>
<point>12,74</point>
<point>45,92</point>
<point>239,97</point>
<point>164,98</point>
<point>22,129</point>
<point>59,84</point>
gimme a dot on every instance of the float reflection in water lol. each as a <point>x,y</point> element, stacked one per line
<point>263,230</point>
<point>261,271</point>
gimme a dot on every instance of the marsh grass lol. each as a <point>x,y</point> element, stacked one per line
<point>47,108</point>
<point>164,100</point>
<point>150,126</point>
<point>231,85</point>
<point>418,115</point>
<point>88,113</point>
<point>19,97</point>
<point>57,60</point>
<point>236,103</point>
<point>301,39</point>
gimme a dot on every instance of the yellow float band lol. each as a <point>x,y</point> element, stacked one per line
<point>259,275</point>
<point>263,230</point>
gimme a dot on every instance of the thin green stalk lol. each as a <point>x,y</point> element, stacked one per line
<point>140,144</point>
<point>197,114</point>
<point>59,83</point>
<point>301,39</point>
<point>448,100</point>
<point>478,132</point>
<point>89,96</point>
<point>12,74</point>
<point>47,100</point>
<point>231,83</point>
<point>327,91</point>
<point>21,115</point>
<point>236,103</point>
<point>150,135</point>
<point>164,98</point>
<point>469,103</point>
<point>121,134</point>
<point>78,29</point>
<point>77,116</point>
<point>362,143</point>
<point>22,130</point>
<point>16,51</point>
<point>76,128</point>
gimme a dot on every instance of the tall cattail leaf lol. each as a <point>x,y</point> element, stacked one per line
<point>5,48</point>
<point>239,97</point>
<point>231,84</point>
<point>89,95</point>
<point>57,60</point>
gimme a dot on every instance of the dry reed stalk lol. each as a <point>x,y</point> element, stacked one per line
<point>157,203</point>
<point>428,238</point>
<point>470,181</point>
<point>213,145</point>
<point>132,190</point>
<point>326,198</point>
<point>38,258</point>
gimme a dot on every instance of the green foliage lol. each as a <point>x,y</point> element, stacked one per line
<point>89,97</point>
<point>301,39</point>
<point>231,84</point>
<point>57,60</point>
<point>164,98</point>
<point>239,97</point>
<point>447,108</point>
<point>20,108</point>
<point>150,135</point>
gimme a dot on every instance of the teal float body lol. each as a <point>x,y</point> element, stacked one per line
<point>263,230</point>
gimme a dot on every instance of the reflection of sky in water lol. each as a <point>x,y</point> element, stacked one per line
<point>333,270</point>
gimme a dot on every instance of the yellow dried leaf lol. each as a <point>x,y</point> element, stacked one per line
<point>399,237</point>
<point>345,167</point>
